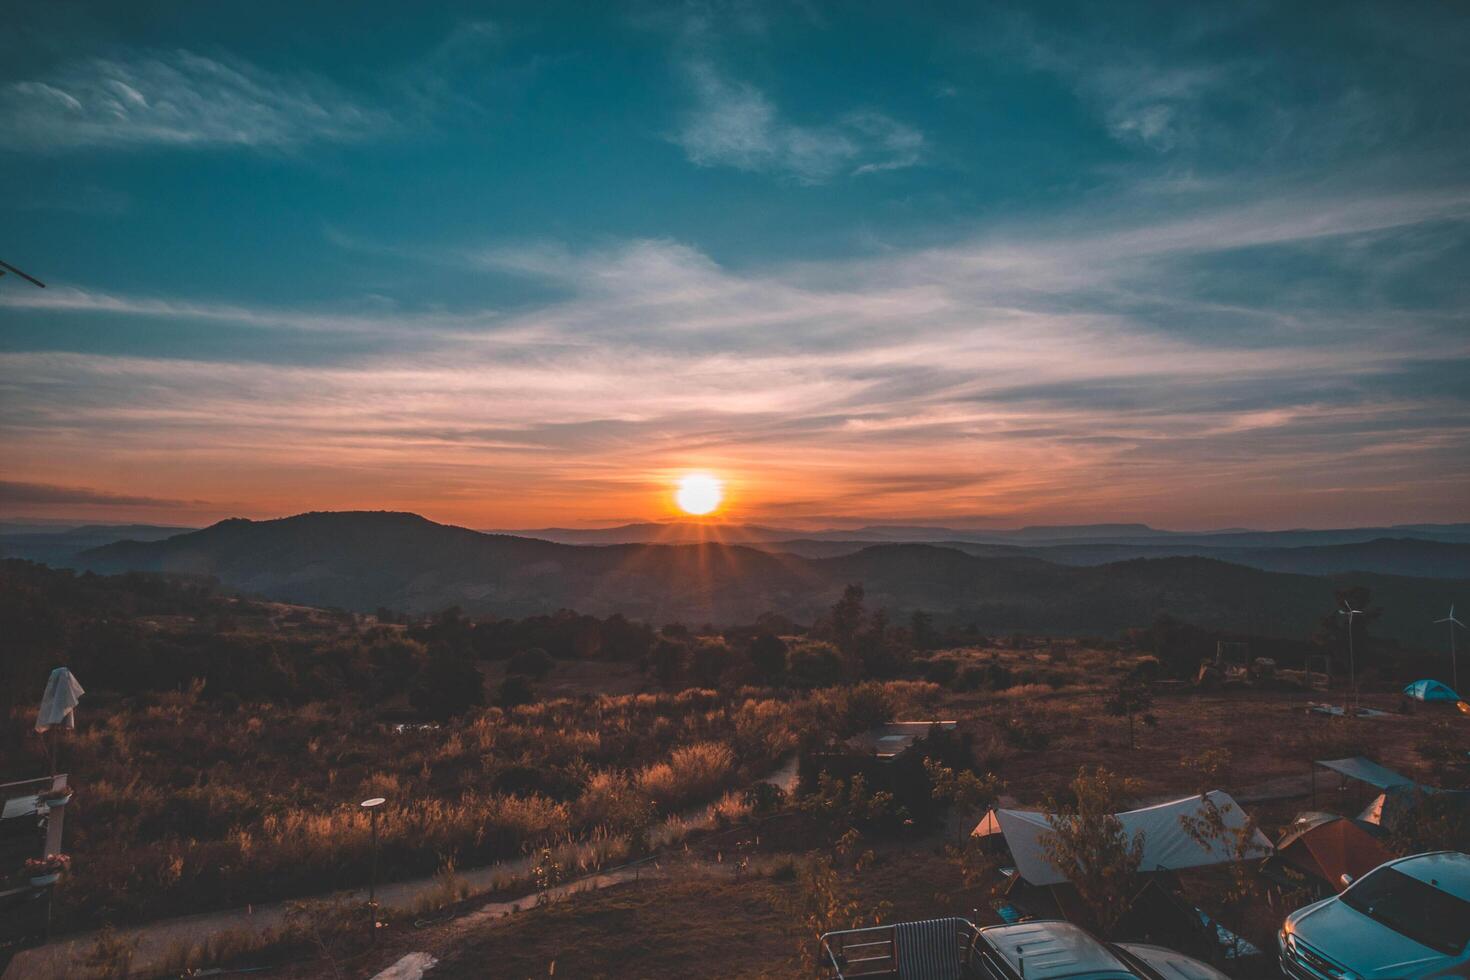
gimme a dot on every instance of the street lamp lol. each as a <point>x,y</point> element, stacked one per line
<point>371,806</point>
<point>1351,614</point>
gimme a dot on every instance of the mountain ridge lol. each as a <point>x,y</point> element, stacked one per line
<point>363,560</point>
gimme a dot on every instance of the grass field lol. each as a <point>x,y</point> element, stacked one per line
<point>745,918</point>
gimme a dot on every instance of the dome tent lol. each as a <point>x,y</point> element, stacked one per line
<point>1428,690</point>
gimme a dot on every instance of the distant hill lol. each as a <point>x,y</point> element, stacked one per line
<point>58,545</point>
<point>1389,556</point>
<point>363,560</point>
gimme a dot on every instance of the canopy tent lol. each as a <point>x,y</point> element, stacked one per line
<point>1327,847</point>
<point>1366,771</point>
<point>1167,846</point>
<point>1428,690</point>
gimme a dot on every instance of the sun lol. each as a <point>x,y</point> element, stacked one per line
<point>699,493</point>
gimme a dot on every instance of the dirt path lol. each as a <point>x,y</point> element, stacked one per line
<point>156,940</point>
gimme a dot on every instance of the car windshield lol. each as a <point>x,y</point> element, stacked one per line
<point>1414,908</point>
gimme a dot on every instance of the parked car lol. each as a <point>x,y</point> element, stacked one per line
<point>1405,919</point>
<point>1050,948</point>
<point>955,949</point>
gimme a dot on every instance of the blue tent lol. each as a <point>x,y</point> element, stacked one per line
<point>1430,691</point>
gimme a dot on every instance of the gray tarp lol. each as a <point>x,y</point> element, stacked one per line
<point>1167,846</point>
<point>1366,771</point>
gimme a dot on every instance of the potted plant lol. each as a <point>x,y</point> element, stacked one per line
<point>46,870</point>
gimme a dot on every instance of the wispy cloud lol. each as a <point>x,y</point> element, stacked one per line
<point>734,124</point>
<point>178,98</point>
<point>47,494</point>
<point>1055,371</point>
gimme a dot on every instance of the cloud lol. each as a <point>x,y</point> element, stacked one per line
<point>734,124</point>
<point>14,494</point>
<point>178,98</point>
<point>1046,372</point>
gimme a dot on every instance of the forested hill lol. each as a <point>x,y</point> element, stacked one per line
<point>364,560</point>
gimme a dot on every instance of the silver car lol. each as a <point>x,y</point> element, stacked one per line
<point>1405,919</point>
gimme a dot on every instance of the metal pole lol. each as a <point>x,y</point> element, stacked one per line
<point>373,883</point>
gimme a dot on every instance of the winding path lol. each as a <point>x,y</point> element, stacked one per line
<point>155,940</point>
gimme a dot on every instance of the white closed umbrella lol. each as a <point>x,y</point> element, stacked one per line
<point>59,703</point>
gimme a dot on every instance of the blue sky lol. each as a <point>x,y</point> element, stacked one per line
<point>520,264</point>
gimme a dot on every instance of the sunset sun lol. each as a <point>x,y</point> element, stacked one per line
<point>699,493</point>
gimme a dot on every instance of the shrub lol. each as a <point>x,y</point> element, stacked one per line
<point>533,662</point>
<point>863,707</point>
<point>447,686</point>
<point>941,670</point>
<point>1020,733</point>
<point>815,664</point>
<point>768,655</point>
<point>514,691</point>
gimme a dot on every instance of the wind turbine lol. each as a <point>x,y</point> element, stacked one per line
<point>7,267</point>
<point>1454,663</point>
<point>1348,611</point>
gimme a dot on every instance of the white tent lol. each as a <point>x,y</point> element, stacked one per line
<point>1167,846</point>
<point>59,702</point>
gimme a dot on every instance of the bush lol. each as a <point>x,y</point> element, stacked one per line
<point>1020,733</point>
<point>447,686</point>
<point>514,691</point>
<point>768,654</point>
<point>534,662</point>
<point>863,707</point>
<point>815,664</point>
<point>941,670</point>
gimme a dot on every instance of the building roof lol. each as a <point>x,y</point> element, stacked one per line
<point>895,738</point>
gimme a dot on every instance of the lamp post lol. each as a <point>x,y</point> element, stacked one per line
<point>371,806</point>
<point>1351,614</point>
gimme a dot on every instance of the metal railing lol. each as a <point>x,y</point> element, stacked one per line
<point>874,951</point>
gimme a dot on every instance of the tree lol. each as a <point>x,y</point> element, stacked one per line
<point>1212,831</point>
<point>921,628</point>
<point>1131,696</point>
<point>670,660</point>
<point>447,686</point>
<point>1087,843</point>
<point>1431,822</point>
<point>861,708</point>
<point>533,662</point>
<point>847,618</point>
<point>514,690</point>
<point>768,654</point>
<point>962,789</point>
<point>815,664</point>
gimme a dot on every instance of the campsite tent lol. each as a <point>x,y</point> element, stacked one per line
<point>1167,846</point>
<point>1431,691</point>
<point>1394,803</point>
<point>1326,846</point>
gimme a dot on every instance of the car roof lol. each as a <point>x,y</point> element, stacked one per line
<point>1449,871</point>
<point>1052,949</point>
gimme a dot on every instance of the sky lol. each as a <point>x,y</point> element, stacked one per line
<point>526,264</point>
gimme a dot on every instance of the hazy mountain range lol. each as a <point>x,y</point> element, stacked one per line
<point>363,560</point>
<point>1421,550</point>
